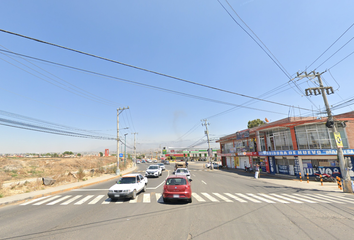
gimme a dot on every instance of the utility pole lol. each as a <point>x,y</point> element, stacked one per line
<point>134,149</point>
<point>209,149</point>
<point>119,111</point>
<point>125,148</point>
<point>347,186</point>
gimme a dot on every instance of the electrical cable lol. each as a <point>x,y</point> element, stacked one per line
<point>146,70</point>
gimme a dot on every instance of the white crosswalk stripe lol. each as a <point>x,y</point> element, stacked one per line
<point>273,198</point>
<point>286,198</point>
<point>34,200</point>
<point>222,197</point>
<point>96,199</point>
<point>248,198</point>
<point>211,198</point>
<point>47,200</point>
<point>146,198</point>
<point>59,200</point>
<point>197,197</point>
<point>260,198</point>
<point>235,197</point>
<point>71,200</point>
<point>158,197</point>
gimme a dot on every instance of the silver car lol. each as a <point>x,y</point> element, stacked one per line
<point>184,172</point>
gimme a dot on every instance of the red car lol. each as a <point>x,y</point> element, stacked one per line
<point>177,188</point>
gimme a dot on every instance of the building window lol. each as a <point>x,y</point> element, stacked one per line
<point>318,136</point>
<point>279,139</point>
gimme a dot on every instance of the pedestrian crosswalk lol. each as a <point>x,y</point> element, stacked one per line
<point>203,197</point>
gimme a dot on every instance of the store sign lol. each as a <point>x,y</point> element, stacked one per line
<point>240,135</point>
<point>333,171</point>
<point>272,165</point>
<point>338,139</point>
<point>283,169</point>
<point>305,152</point>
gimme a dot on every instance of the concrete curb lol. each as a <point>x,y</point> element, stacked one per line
<point>53,192</point>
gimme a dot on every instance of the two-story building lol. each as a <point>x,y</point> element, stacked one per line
<point>290,146</point>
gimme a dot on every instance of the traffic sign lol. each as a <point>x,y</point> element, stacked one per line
<point>120,154</point>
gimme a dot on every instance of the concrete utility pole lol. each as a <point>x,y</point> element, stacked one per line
<point>134,149</point>
<point>125,148</point>
<point>209,149</point>
<point>119,111</point>
<point>347,186</point>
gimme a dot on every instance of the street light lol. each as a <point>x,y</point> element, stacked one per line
<point>125,147</point>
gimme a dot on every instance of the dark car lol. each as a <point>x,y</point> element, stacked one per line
<point>167,162</point>
<point>177,188</point>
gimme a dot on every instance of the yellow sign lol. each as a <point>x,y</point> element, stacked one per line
<point>338,139</point>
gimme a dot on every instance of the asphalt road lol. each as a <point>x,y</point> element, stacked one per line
<point>225,206</point>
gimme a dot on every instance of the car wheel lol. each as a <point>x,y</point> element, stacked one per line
<point>134,194</point>
<point>144,189</point>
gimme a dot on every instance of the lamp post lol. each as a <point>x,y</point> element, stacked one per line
<point>125,147</point>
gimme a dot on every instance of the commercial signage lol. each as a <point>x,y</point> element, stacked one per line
<point>333,171</point>
<point>305,152</point>
<point>240,135</point>
<point>338,139</point>
<point>297,168</point>
<point>120,154</point>
<point>283,169</point>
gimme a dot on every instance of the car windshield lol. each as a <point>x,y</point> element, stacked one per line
<point>153,167</point>
<point>176,181</point>
<point>127,180</point>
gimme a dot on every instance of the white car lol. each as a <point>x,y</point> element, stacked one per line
<point>153,171</point>
<point>162,166</point>
<point>128,186</point>
<point>183,171</point>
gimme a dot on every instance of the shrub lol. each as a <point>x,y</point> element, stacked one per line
<point>80,174</point>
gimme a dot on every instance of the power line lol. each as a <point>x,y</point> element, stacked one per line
<point>146,70</point>
<point>329,47</point>
<point>151,86</point>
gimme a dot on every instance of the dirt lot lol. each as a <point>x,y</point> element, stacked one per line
<point>21,175</point>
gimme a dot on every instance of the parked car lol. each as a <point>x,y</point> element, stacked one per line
<point>153,171</point>
<point>155,161</point>
<point>138,161</point>
<point>167,162</point>
<point>149,161</point>
<point>207,165</point>
<point>128,186</point>
<point>177,188</point>
<point>216,165</point>
<point>183,172</point>
<point>162,166</point>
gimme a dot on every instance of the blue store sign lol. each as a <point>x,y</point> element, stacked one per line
<point>283,169</point>
<point>272,165</point>
<point>333,171</point>
<point>305,152</point>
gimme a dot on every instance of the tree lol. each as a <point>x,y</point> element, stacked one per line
<point>67,153</point>
<point>101,154</point>
<point>255,123</point>
<point>79,154</point>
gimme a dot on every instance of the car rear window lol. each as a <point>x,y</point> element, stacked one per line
<point>153,167</point>
<point>176,181</point>
<point>182,171</point>
<point>127,180</point>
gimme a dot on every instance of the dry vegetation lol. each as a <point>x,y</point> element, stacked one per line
<point>21,175</point>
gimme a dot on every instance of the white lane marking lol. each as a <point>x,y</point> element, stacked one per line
<point>334,198</point>
<point>193,175</point>
<point>211,198</point>
<point>260,198</point>
<point>168,174</point>
<point>47,200</point>
<point>286,198</point>
<point>203,182</point>
<point>222,197</point>
<point>272,198</point>
<point>88,190</point>
<point>34,200</point>
<point>84,200</point>
<point>59,200</point>
<point>96,199</point>
<point>71,200</point>
<point>234,197</point>
<point>107,201</point>
<point>158,197</point>
<point>248,198</point>
<point>349,199</point>
<point>199,198</point>
<point>146,198</point>
<point>304,198</point>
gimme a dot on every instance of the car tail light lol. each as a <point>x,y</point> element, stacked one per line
<point>164,187</point>
<point>187,186</point>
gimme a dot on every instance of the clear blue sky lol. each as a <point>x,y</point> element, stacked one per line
<point>194,40</point>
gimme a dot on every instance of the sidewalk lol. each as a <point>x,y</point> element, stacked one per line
<point>288,181</point>
<point>60,189</point>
